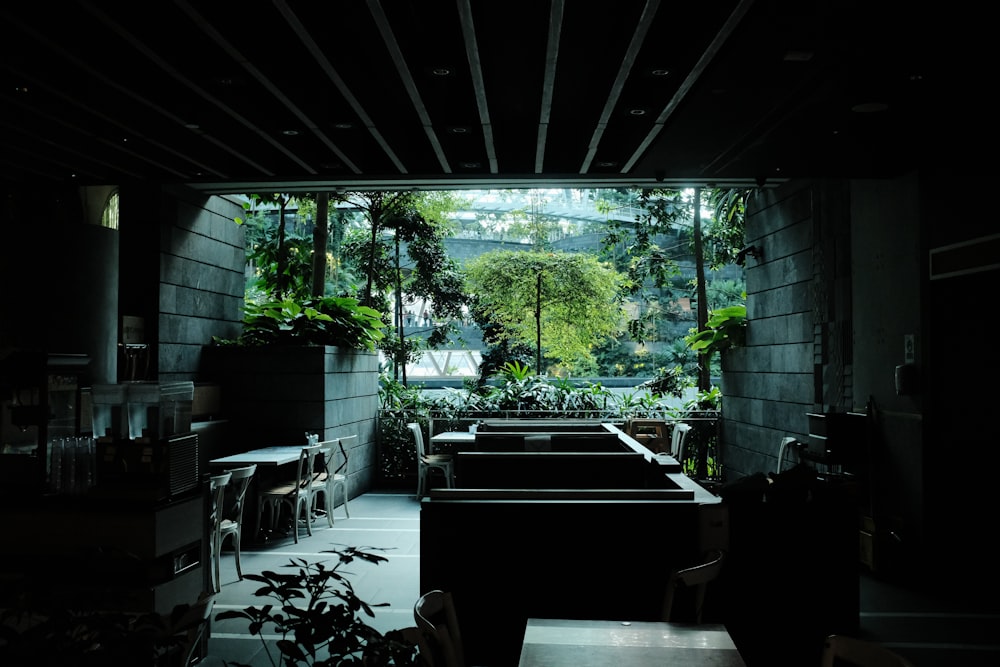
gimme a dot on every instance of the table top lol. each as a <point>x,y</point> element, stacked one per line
<point>584,643</point>
<point>265,456</point>
<point>454,438</point>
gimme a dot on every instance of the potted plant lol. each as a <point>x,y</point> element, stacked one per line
<point>336,321</point>
<point>322,622</point>
<point>308,364</point>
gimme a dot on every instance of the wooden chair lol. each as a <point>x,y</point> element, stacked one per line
<point>181,636</point>
<point>330,476</point>
<point>296,494</point>
<point>844,650</point>
<point>426,463</point>
<point>648,432</point>
<point>231,517</point>
<point>696,578</point>
<point>217,488</point>
<point>434,613</point>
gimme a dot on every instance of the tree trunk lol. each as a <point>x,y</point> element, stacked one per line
<point>704,372</point>
<point>320,240</point>
<point>538,325</point>
<point>281,282</point>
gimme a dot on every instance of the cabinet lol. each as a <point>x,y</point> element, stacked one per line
<point>40,400</point>
<point>109,554</point>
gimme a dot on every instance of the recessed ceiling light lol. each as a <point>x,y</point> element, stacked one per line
<point>637,112</point>
<point>659,72</point>
<point>798,56</point>
<point>472,165</point>
<point>870,107</point>
<point>458,130</point>
<point>290,133</point>
<point>344,126</point>
<point>440,71</point>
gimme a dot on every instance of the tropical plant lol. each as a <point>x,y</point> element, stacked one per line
<point>320,619</point>
<point>401,252</point>
<point>725,328</point>
<point>338,321</point>
<point>668,382</point>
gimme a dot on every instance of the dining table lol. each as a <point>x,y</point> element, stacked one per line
<point>452,440</point>
<point>275,455</point>
<point>268,461</point>
<point>592,643</point>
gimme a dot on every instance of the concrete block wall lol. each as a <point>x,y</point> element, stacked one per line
<point>768,385</point>
<point>201,279</point>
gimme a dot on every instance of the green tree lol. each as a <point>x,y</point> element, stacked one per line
<point>638,246</point>
<point>572,301</point>
<point>418,222</point>
<point>279,258</point>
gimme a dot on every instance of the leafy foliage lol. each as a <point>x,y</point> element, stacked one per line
<point>576,297</point>
<point>338,321</point>
<point>321,620</point>
<point>726,328</point>
<point>38,628</point>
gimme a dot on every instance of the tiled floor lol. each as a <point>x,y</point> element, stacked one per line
<point>386,522</point>
<point>932,630</point>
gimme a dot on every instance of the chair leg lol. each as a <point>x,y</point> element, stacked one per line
<point>309,523</point>
<point>236,547</point>
<point>347,510</point>
<point>216,558</point>
<point>328,502</point>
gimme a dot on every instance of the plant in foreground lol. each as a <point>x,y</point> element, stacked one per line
<point>321,621</point>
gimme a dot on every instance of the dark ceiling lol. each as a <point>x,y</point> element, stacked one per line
<point>288,95</point>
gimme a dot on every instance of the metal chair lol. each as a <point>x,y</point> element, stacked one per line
<point>296,494</point>
<point>426,463</point>
<point>696,578</point>
<point>231,517</point>
<point>434,613</point>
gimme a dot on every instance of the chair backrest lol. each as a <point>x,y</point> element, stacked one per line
<point>183,632</point>
<point>677,438</point>
<point>418,438</point>
<point>239,481</point>
<point>411,635</point>
<point>844,650</point>
<point>786,442</point>
<point>697,578</point>
<point>434,613</point>
<point>218,485</point>
<point>306,469</point>
<point>336,462</point>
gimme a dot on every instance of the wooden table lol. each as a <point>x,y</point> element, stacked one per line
<point>580,643</point>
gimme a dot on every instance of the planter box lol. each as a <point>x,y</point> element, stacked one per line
<point>274,395</point>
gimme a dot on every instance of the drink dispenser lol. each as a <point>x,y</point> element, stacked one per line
<point>109,419</point>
